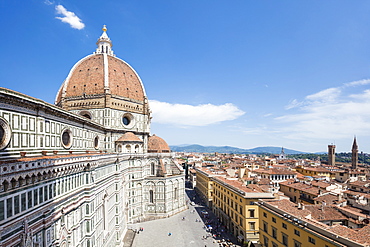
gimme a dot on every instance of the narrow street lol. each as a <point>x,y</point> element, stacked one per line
<point>196,226</point>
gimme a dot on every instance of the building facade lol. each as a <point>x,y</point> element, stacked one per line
<point>77,172</point>
<point>204,186</point>
<point>232,202</point>
<point>282,223</point>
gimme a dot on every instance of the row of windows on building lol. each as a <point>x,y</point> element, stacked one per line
<point>175,195</point>
<point>223,206</point>
<point>222,189</point>
<point>284,241</point>
<point>284,236</point>
<point>21,202</point>
<point>228,202</point>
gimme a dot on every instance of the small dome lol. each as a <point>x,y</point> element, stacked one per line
<point>157,145</point>
<point>129,137</point>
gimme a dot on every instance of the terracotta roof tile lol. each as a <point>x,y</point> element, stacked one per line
<point>129,137</point>
<point>157,145</point>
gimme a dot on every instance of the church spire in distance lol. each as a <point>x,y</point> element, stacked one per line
<point>354,145</point>
<point>354,154</point>
<point>104,43</point>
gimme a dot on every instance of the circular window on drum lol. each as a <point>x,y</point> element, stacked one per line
<point>5,133</point>
<point>96,142</point>
<point>86,114</point>
<point>67,138</point>
<point>128,120</point>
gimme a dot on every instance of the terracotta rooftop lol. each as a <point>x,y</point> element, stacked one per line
<point>157,145</point>
<point>275,171</point>
<point>320,184</point>
<point>360,236</point>
<point>290,207</point>
<point>129,137</point>
<point>241,186</point>
<point>87,77</point>
<point>360,183</point>
<point>356,193</point>
<point>324,213</point>
<point>263,181</point>
<point>316,169</point>
<point>328,199</point>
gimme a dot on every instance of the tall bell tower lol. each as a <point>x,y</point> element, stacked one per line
<point>331,155</point>
<point>354,154</point>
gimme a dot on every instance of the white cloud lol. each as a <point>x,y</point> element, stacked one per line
<point>326,95</point>
<point>293,104</point>
<point>189,115</point>
<point>69,17</point>
<point>357,83</point>
<point>332,113</point>
<point>47,2</point>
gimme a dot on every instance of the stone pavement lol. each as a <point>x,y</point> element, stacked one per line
<point>176,231</point>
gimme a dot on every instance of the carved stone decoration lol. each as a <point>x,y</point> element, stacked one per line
<point>5,133</point>
<point>26,235</point>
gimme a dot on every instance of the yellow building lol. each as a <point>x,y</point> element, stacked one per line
<point>282,223</point>
<point>232,202</point>
<point>316,172</point>
<point>204,185</point>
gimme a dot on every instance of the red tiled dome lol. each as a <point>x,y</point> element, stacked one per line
<point>157,145</point>
<point>87,78</point>
<point>129,137</point>
<point>99,77</point>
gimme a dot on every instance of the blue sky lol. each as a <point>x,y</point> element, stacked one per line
<point>293,74</point>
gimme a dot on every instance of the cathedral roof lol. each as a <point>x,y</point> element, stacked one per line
<point>129,137</point>
<point>102,73</point>
<point>157,145</point>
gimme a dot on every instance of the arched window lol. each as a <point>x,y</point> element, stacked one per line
<point>151,196</point>
<point>88,226</point>
<point>175,194</point>
<point>104,213</point>
<point>152,169</point>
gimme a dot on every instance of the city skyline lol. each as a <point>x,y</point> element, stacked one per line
<point>245,74</point>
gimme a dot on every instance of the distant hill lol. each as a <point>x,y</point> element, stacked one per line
<point>228,149</point>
